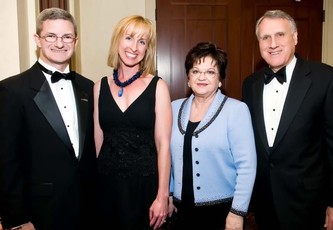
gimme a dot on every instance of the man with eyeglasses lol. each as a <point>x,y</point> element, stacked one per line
<point>47,153</point>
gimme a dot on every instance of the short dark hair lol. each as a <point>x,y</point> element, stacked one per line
<point>54,14</point>
<point>207,49</point>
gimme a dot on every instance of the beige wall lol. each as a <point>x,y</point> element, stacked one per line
<point>17,23</point>
<point>96,20</point>
<point>327,54</point>
<point>97,23</point>
<point>9,39</point>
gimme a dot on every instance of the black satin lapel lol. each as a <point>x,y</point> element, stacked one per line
<point>82,105</point>
<point>46,103</point>
<point>259,112</point>
<point>298,88</point>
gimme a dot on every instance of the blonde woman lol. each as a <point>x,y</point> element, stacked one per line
<point>133,119</point>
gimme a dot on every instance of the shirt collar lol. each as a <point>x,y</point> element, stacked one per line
<point>53,69</point>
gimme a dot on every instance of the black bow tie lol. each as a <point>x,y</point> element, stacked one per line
<point>279,75</point>
<point>56,76</point>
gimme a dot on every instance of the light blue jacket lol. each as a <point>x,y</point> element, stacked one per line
<point>223,155</point>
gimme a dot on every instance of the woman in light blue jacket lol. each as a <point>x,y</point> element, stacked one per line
<point>212,147</point>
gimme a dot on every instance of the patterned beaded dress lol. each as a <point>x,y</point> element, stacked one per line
<point>127,162</point>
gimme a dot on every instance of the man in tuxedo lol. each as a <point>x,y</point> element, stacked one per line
<point>291,102</point>
<point>47,152</point>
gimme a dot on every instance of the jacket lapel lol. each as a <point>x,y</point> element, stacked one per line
<point>82,112</point>
<point>46,103</point>
<point>211,112</point>
<point>259,110</point>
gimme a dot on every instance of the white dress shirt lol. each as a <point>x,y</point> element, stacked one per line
<point>274,96</point>
<point>64,95</point>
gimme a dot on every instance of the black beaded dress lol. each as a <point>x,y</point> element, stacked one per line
<point>127,162</point>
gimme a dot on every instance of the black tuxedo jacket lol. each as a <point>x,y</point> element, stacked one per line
<point>41,180</point>
<point>296,174</point>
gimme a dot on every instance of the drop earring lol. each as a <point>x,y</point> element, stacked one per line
<point>220,84</point>
<point>188,84</point>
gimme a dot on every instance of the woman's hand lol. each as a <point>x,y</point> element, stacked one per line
<point>234,222</point>
<point>158,212</point>
<point>171,207</point>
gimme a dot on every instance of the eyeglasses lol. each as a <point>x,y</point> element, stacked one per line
<point>53,38</point>
<point>209,73</point>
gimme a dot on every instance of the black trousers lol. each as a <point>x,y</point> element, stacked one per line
<point>210,217</point>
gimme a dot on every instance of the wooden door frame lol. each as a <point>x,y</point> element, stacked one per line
<point>248,59</point>
<point>43,4</point>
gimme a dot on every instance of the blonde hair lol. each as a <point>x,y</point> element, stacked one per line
<point>134,25</point>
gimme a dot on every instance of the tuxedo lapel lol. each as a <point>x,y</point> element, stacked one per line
<point>46,103</point>
<point>259,111</point>
<point>81,99</point>
<point>298,88</point>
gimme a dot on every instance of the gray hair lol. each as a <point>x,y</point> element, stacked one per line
<point>272,14</point>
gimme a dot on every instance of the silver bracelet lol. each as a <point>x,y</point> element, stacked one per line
<point>17,227</point>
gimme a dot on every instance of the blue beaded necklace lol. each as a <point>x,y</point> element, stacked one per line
<point>122,85</point>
